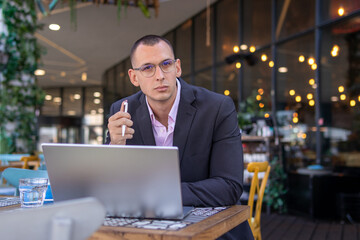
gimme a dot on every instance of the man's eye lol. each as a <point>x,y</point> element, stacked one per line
<point>167,63</point>
<point>147,68</point>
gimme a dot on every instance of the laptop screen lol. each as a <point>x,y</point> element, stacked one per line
<point>131,181</point>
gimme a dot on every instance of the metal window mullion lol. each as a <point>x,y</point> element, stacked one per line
<point>318,81</point>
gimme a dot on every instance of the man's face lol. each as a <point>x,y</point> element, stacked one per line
<point>160,88</point>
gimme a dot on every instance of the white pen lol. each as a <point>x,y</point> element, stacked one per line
<point>125,110</point>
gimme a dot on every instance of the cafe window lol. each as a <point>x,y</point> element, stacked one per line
<point>340,94</point>
<point>52,103</point>
<point>93,101</point>
<point>203,44</point>
<point>120,80</point>
<point>203,79</point>
<point>183,46</point>
<point>257,23</point>
<point>227,26</point>
<point>227,81</point>
<point>333,9</point>
<point>294,17</point>
<point>296,88</point>
<point>72,102</point>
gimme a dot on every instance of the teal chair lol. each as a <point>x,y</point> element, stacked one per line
<point>13,175</point>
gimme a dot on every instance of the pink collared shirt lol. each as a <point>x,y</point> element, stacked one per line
<point>163,136</point>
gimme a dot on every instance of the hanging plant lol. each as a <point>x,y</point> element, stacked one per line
<point>19,96</point>
<point>46,6</point>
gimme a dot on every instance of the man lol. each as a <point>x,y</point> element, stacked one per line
<point>202,124</point>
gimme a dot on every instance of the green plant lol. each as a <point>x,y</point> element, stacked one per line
<point>253,106</point>
<point>275,192</point>
<point>19,96</point>
<point>121,4</point>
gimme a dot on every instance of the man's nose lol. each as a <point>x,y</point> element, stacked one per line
<point>159,74</point>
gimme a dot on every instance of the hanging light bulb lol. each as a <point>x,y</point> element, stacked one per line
<point>341,11</point>
<point>236,49</point>
<point>263,57</point>
<point>311,61</point>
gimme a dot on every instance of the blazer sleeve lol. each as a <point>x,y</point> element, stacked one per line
<point>224,183</point>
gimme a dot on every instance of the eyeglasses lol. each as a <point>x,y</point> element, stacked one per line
<point>149,70</point>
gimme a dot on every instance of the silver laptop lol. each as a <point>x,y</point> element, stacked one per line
<point>131,181</point>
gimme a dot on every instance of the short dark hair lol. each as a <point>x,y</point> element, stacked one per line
<point>149,40</point>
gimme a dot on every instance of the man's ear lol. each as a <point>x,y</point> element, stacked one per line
<point>178,68</point>
<point>133,77</point>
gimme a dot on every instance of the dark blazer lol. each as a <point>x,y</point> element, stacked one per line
<point>208,137</point>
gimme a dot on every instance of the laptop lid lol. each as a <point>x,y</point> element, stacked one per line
<point>131,181</point>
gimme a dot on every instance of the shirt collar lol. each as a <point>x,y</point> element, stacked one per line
<point>174,108</point>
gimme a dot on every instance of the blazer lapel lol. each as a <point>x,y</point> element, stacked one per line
<point>144,122</point>
<point>184,119</point>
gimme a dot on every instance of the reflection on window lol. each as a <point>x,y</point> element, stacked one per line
<point>294,17</point>
<point>333,9</point>
<point>340,99</point>
<point>296,95</point>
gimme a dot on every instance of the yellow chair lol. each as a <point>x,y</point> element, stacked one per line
<point>254,220</point>
<point>33,161</point>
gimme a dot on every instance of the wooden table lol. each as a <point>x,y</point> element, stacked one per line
<point>209,228</point>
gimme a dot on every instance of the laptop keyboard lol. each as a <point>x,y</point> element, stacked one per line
<point>8,201</point>
<point>145,223</point>
<point>196,215</point>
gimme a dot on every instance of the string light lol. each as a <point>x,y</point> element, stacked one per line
<point>238,65</point>
<point>271,64</point>
<point>236,49</point>
<point>342,97</point>
<point>97,94</point>
<point>295,120</point>
<point>84,76</point>
<point>341,11</point>
<point>341,88</point>
<point>298,98</point>
<point>292,92</point>
<point>283,69</point>
<point>243,47</point>
<point>335,50</point>
<point>311,61</point>
<point>311,102</point>
<point>226,92</point>
<point>309,96</point>
<point>314,66</point>
<point>301,58</point>
<point>266,115</point>
<point>261,105</point>
<point>261,91</point>
<point>352,103</point>
<point>48,97</point>
<point>311,81</point>
<point>263,57</point>
<point>39,72</point>
<point>252,49</point>
<point>258,97</point>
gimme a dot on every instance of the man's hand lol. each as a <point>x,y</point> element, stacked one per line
<point>115,124</point>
